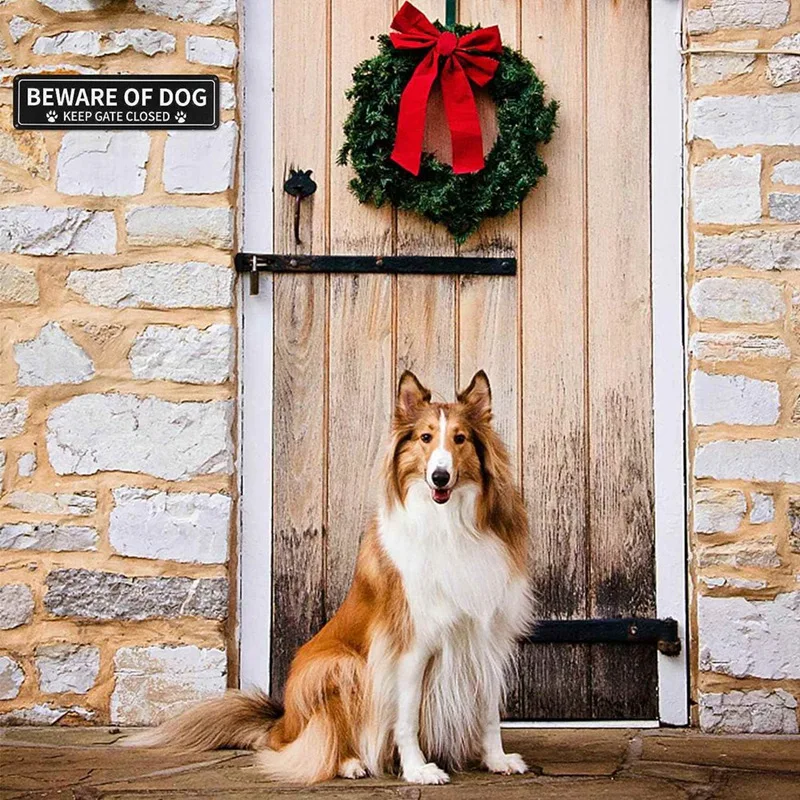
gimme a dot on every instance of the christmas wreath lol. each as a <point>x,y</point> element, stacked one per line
<point>384,131</point>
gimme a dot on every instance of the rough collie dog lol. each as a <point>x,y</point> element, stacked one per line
<point>412,665</point>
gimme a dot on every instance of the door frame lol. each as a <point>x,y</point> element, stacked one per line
<point>255,233</point>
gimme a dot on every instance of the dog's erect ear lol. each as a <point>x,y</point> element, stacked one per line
<point>478,395</point>
<point>411,393</point>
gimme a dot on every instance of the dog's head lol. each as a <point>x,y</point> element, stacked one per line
<point>444,444</point>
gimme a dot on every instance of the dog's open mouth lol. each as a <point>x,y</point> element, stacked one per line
<point>440,495</point>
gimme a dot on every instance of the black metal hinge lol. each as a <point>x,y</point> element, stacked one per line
<point>663,633</point>
<point>254,263</point>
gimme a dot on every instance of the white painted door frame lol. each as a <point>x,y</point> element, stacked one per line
<point>254,611</point>
<point>669,346</point>
<point>256,343</point>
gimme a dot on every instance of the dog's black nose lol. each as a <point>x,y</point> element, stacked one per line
<point>440,478</point>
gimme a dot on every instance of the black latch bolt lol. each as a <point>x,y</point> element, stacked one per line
<point>299,185</point>
<point>253,263</point>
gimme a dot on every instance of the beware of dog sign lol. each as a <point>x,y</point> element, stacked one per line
<point>116,101</point>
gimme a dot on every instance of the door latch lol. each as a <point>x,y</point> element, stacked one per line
<point>299,185</point>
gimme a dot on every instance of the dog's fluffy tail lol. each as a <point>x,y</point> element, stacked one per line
<point>238,720</point>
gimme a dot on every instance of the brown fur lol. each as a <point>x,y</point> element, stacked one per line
<point>327,698</point>
<point>240,721</point>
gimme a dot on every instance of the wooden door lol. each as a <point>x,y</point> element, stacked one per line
<point>566,343</point>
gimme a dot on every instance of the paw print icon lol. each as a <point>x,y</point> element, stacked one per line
<point>52,116</point>
<point>180,116</point>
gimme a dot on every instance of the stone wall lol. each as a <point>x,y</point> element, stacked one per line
<point>116,377</point>
<point>744,324</point>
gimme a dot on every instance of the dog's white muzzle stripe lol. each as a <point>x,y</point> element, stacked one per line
<point>441,457</point>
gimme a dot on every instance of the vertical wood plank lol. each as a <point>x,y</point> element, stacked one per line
<point>496,237</point>
<point>426,330</point>
<point>361,379</point>
<point>356,229</point>
<point>426,305</point>
<point>488,319</point>
<point>300,329</point>
<point>488,324</point>
<point>620,382</point>
<point>553,366</point>
<point>301,107</point>
<point>488,340</point>
<point>360,410</point>
<point>298,441</point>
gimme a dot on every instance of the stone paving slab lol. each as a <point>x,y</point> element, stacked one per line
<point>768,753</point>
<point>59,737</point>
<point>610,764</point>
<point>744,786</point>
<point>39,768</point>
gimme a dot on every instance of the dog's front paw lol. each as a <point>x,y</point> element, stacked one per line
<point>506,764</point>
<point>427,773</point>
<point>352,768</point>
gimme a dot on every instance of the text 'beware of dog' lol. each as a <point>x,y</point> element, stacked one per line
<point>124,101</point>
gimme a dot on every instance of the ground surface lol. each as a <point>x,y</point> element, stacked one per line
<point>83,764</point>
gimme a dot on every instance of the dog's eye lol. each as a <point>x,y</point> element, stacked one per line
<point>426,437</point>
<point>459,438</point>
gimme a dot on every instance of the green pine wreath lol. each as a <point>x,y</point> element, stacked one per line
<point>460,202</point>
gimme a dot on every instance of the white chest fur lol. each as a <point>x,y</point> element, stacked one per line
<point>466,610</point>
<point>451,571</point>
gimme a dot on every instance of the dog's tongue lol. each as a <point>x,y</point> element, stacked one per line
<point>440,495</point>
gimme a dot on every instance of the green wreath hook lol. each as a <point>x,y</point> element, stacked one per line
<point>450,13</point>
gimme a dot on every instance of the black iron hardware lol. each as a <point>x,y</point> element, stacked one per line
<point>663,633</point>
<point>299,185</point>
<point>253,263</point>
<point>253,272</point>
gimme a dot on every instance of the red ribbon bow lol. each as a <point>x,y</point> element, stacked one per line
<point>463,62</point>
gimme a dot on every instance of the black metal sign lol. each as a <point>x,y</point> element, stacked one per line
<point>103,102</point>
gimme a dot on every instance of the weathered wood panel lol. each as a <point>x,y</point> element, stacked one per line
<point>300,337</point>
<point>553,286</point>
<point>620,393</point>
<point>360,350</point>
